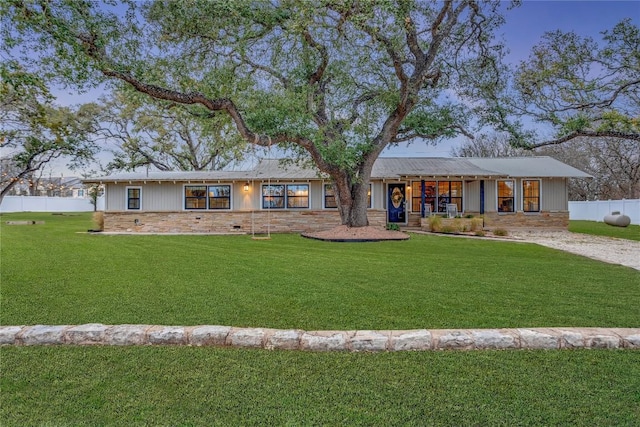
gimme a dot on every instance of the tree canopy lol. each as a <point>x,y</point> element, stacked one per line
<point>334,81</point>
<point>35,131</point>
<point>168,137</point>
<point>576,86</point>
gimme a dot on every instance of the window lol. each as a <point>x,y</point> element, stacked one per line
<point>298,196</point>
<point>219,197</point>
<point>506,196</point>
<point>134,198</point>
<point>195,197</point>
<point>437,194</point>
<point>330,197</point>
<point>531,195</point>
<point>279,196</point>
<point>207,197</point>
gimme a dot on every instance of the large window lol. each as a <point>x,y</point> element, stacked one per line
<point>330,197</point>
<point>530,195</point>
<point>219,197</point>
<point>291,196</point>
<point>506,196</point>
<point>207,197</point>
<point>134,198</point>
<point>437,194</point>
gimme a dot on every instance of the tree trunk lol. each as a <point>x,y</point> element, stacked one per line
<point>352,199</point>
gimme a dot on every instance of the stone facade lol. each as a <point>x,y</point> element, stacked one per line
<point>518,220</point>
<point>294,339</point>
<point>288,221</point>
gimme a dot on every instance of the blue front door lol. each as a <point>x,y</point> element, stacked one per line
<point>396,203</point>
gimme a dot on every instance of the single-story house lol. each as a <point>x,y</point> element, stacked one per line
<point>506,192</point>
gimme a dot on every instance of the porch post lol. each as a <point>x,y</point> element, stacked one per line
<point>422,199</point>
<point>482,196</point>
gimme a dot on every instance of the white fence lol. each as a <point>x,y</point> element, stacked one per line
<point>47,204</point>
<point>596,210</point>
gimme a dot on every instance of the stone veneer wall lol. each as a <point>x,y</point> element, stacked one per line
<point>295,339</point>
<point>229,221</point>
<point>547,220</point>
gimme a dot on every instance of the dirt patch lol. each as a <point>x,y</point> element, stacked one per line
<point>343,233</point>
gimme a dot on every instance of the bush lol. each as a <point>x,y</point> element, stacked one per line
<point>500,232</point>
<point>98,220</point>
<point>448,229</point>
<point>480,233</point>
<point>393,227</point>
<point>476,224</point>
<point>435,223</point>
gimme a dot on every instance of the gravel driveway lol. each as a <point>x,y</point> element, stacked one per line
<point>607,249</point>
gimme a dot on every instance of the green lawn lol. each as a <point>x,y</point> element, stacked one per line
<point>631,232</point>
<point>55,274</point>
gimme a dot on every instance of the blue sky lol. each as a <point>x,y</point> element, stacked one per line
<point>524,28</point>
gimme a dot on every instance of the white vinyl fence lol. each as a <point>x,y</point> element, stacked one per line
<point>47,204</point>
<point>596,210</point>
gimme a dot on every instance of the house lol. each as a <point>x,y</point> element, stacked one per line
<point>507,192</point>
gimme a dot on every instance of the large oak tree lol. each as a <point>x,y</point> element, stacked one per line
<point>331,80</point>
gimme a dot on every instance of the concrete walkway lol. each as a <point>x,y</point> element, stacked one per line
<point>294,339</point>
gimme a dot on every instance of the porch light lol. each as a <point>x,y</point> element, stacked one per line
<point>246,186</point>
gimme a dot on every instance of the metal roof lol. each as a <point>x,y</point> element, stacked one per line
<point>384,168</point>
<point>531,167</point>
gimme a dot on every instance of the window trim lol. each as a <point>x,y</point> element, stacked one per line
<point>127,198</point>
<point>522,199</point>
<point>285,196</point>
<point>514,197</point>
<point>207,206</point>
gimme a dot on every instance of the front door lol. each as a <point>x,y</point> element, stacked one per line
<point>396,203</point>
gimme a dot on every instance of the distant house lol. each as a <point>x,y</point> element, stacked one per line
<point>507,192</point>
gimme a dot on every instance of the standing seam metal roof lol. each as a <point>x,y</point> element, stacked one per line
<point>384,167</point>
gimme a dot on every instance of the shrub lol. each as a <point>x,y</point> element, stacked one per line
<point>459,225</point>
<point>435,223</point>
<point>98,220</point>
<point>393,227</point>
<point>500,232</point>
<point>480,233</point>
<point>448,229</point>
<point>476,224</point>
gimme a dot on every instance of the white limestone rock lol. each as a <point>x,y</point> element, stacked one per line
<point>91,333</point>
<point>411,340</point>
<point>209,335</point>
<point>369,341</point>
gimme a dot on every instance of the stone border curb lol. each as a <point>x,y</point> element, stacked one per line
<point>295,339</point>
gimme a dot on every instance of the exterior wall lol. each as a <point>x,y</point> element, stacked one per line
<point>471,196</point>
<point>282,221</point>
<point>163,208</point>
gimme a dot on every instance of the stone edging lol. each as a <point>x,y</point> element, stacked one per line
<point>295,339</point>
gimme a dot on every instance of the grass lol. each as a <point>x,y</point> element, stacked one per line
<point>52,274</point>
<point>631,232</point>
<point>207,386</point>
